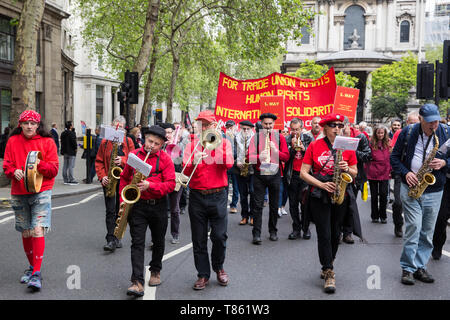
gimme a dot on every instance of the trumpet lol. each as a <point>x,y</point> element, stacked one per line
<point>298,143</point>
<point>266,162</point>
<point>210,139</point>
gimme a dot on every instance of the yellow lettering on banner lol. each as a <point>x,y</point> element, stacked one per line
<point>255,85</point>
<point>237,114</point>
<point>294,95</point>
<point>309,111</point>
<point>254,98</point>
<point>229,83</point>
<point>219,111</point>
<point>283,81</point>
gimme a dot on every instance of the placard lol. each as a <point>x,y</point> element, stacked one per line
<point>275,105</point>
<point>346,102</point>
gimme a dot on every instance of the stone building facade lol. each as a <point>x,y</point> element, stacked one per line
<point>358,37</point>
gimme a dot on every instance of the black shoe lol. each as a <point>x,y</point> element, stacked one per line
<point>256,240</point>
<point>384,221</point>
<point>348,239</point>
<point>307,234</point>
<point>407,278</point>
<point>422,275</point>
<point>374,220</point>
<point>294,235</point>
<point>118,243</point>
<point>436,254</point>
<point>182,211</point>
<point>398,232</point>
<point>273,236</point>
<point>110,246</point>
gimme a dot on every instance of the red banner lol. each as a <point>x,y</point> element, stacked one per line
<point>346,102</point>
<point>239,100</point>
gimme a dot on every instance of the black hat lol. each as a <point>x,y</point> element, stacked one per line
<point>246,123</point>
<point>156,130</point>
<point>230,123</point>
<point>268,115</point>
<point>166,125</point>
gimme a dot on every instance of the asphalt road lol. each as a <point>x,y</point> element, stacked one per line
<point>75,266</point>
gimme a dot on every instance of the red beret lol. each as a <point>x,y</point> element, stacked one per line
<point>206,115</point>
<point>331,118</point>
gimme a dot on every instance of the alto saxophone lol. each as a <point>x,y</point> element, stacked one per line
<point>114,172</point>
<point>423,175</point>
<point>246,164</point>
<point>130,195</point>
<point>340,179</point>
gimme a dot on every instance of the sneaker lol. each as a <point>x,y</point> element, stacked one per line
<point>330,282</point>
<point>407,278</point>
<point>119,243</point>
<point>279,212</point>
<point>35,282</point>
<point>175,240</point>
<point>26,275</point>
<point>383,221</point>
<point>66,182</point>
<point>233,210</point>
<point>73,183</point>
<point>283,212</point>
<point>422,275</point>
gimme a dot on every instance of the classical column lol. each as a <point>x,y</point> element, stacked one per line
<point>370,32</point>
<point>107,104</point>
<point>322,32</point>
<point>390,31</point>
<point>331,30</point>
<point>379,26</point>
<point>339,21</point>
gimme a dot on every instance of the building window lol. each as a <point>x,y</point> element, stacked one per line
<point>305,35</point>
<point>5,104</point>
<point>404,31</point>
<point>7,39</point>
<point>354,28</point>
<point>38,102</point>
<point>99,105</point>
<point>38,49</point>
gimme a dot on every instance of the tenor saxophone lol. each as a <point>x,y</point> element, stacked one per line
<point>340,179</point>
<point>423,175</point>
<point>114,172</point>
<point>246,164</point>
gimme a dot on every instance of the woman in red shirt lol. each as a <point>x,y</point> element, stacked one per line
<point>326,215</point>
<point>32,210</point>
<point>378,173</point>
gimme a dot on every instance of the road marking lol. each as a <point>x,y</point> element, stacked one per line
<point>54,208</point>
<point>446,253</point>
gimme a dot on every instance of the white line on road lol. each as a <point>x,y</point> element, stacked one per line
<point>54,208</point>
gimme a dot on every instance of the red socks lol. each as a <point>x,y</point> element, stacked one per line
<point>28,248</point>
<point>38,253</point>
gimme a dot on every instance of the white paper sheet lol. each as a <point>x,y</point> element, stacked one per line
<point>110,133</point>
<point>139,165</point>
<point>345,143</point>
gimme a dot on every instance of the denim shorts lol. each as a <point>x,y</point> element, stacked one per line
<point>32,210</point>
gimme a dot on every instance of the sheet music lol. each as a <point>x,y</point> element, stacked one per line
<point>139,165</point>
<point>346,143</point>
<point>110,133</point>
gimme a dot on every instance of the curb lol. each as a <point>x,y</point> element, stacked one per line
<point>61,195</point>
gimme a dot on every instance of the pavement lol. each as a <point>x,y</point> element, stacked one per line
<point>60,189</point>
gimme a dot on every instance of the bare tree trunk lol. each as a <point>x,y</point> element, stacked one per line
<point>141,62</point>
<point>173,83</point>
<point>151,73</point>
<point>23,84</point>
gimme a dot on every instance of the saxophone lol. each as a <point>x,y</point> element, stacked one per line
<point>130,195</point>
<point>423,175</point>
<point>340,179</point>
<point>246,164</point>
<point>114,172</point>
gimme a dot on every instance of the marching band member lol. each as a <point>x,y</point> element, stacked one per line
<point>297,143</point>
<point>208,199</point>
<point>150,211</point>
<point>245,174</point>
<point>420,212</point>
<point>271,155</point>
<point>327,216</point>
<point>32,210</point>
<point>316,131</point>
<point>102,167</point>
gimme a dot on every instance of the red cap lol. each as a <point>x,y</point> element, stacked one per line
<point>331,118</point>
<point>206,115</point>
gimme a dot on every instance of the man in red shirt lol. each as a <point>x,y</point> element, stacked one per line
<point>267,161</point>
<point>208,199</point>
<point>150,211</point>
<point>297,143</point>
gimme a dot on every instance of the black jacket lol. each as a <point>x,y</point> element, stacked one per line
<point>363,154</point>
<point>306,140</point>
<point>69,143</point>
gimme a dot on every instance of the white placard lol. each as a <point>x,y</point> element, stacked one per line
<point>110,133</point>
<point>139,165</point>
<point>345,143</point>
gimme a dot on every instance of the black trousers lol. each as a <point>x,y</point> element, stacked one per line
<point>260,183</point>
<point>397,208</point>
<point>440,232</point>
<point>142,216</point>
<point>348,220</point>
<point>245,185</point>
<point>378,198</point>
<point>328,220</point>
<point>112,208</point>
<point>295,193</point>
<point>208,211</point>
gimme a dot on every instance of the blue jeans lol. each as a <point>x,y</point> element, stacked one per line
<point>69,164</point>
<point>420,219</point>
<point>283,194</point>
<point>32,210</point>
<point>233,180</point>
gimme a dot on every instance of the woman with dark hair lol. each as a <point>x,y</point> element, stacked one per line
<point>378,171</point>
<point>3,140</point>
<point>32,210</point>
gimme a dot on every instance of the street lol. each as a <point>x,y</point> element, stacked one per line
<point>76,267</point>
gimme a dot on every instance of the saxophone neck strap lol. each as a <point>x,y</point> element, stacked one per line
<point>427,144</point>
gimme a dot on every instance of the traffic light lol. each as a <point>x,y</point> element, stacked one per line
<point>158,116</point>
<point>132,79</point>
<point>425,81</point>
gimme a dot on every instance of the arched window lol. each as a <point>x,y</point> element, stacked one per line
<point>404,31</point>
<point>354,28</point>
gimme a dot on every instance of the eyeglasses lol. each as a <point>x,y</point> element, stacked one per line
<point>334,125</point>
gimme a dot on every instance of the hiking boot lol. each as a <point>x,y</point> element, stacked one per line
<point>136,289</point>
<point>26,275</point>
<point>155,279</point>
<point>407,278</point>
<point>422,275</point>
<point>35,283</point>
<point>330,282</point>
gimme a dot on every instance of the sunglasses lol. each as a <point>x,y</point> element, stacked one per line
<point>334,125</point>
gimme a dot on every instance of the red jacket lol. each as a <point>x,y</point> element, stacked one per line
<point>281,155</point>
<point>103,158</point>
<point>161,182</point>
<point>16,153</point>
<point>211,173</point>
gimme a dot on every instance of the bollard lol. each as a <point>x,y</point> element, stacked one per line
<point>88,155</point>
